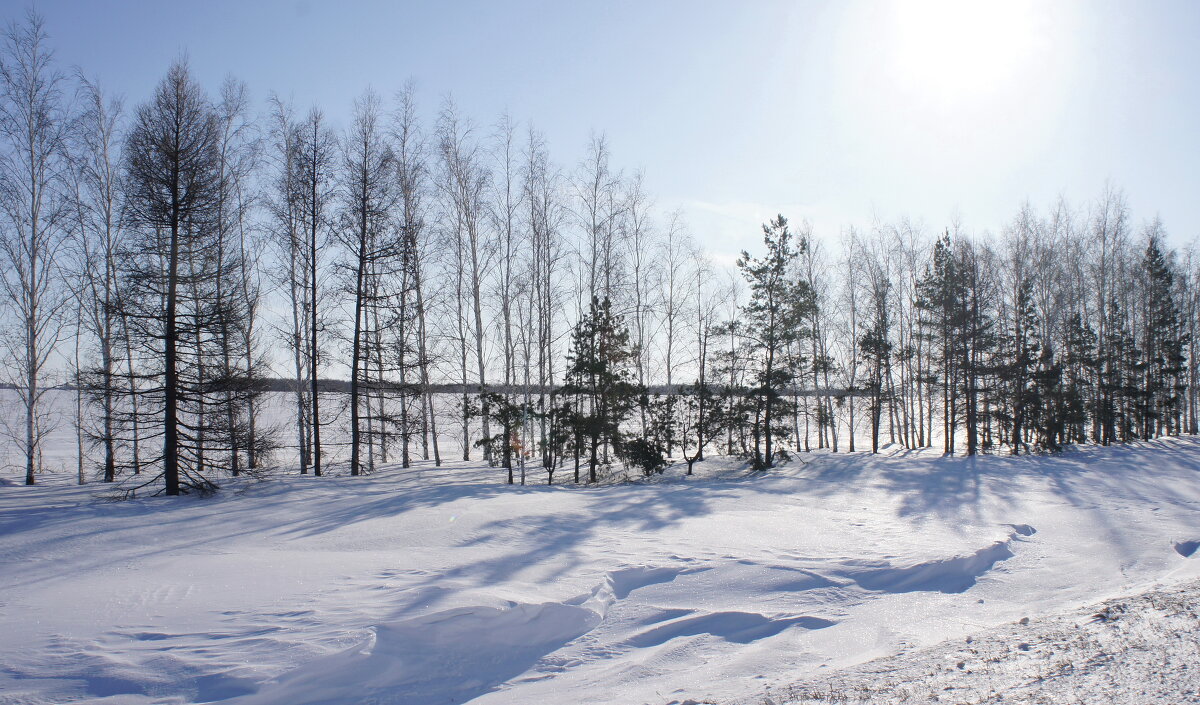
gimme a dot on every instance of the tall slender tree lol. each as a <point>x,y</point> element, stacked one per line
<point>173,177</point>
<point>368,238</point>
<point>97,204</point>
<point>772,322</point>
<point>34,130</point>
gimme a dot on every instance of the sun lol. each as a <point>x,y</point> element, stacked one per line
<point>950,48</point>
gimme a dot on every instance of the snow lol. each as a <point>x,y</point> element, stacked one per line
<point>1129,651</point>
<point>852,573</point>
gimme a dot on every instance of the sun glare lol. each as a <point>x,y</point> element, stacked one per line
<point>948,48</point>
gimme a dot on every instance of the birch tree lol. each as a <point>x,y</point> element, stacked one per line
<point>464,183</point>
<point>412,175</point>
<point>366,233</point>
<point>96,171</point>
<point>34,130</point>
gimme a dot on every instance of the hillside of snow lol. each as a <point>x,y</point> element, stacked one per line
<point>1128,651</point>
<point>831,575</point>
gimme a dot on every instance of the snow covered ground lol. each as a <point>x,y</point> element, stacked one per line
<point>835,576</point>
<point>1135,650</point>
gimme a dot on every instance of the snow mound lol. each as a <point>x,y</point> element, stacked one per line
<point>1187,548</point>
<point>445,657</point>
<point>622,582</point>
<point>736,627</point>
<point>951,575</point>
<point>1022,529</point>
<point>456,655</point>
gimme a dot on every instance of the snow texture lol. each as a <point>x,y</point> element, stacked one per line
<point>843,575</point>
<point>1128,651</point>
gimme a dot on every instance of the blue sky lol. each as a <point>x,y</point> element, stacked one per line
<point>841,113</point>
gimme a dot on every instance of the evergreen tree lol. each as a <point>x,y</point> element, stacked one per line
<point>698,425</point>
<point>1019,370</point>
<point>977,338</point>
<point>187,295</point>
<point>511,414</point>
<point>1049,411</point>
<point>599,376</point>
<point>772,322</point>
<point>939,296</point>
<point>876,347</point>
<point>1080,376</point>
<point>1163,362</point>
<point>1116,369</point>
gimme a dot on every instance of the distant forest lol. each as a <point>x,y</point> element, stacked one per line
<point>172,259</point>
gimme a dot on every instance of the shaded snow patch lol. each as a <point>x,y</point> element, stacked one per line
<point>445,657</point>
<point>950,575</point>
<point>736,627</point>
<point>1187,548</point>
<point>627,580</point>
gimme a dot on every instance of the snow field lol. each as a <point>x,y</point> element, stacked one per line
<point>442,585</point>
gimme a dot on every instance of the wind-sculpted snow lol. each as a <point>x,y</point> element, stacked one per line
<point>736,627</point>
<point>950,575</point>
<point>445,657</point>
<point>443,585</point>
<point>454,655</point>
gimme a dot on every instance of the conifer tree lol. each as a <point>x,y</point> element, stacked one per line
<point>1019,370</point>
<point>173,182</point>
<point>599,376</point>
<point>772,322</point>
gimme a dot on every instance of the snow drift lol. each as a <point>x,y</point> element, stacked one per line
<point>444,586</point>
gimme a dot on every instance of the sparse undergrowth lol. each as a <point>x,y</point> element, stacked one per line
<point>1136,650</point>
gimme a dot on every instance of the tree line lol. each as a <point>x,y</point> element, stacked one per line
<point>168,261</point>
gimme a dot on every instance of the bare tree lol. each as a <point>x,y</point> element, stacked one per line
<point>546,213</point>
<point>506,208</point>
<point>98,236</point>
<point>644,271</point>
<point>35,130</point>
<point>412,348</point>
<point>850,329</point>
<point>237,279</point>
<point>172,167</point>
<point>678,293</point>
<point>369,199</point>
<point>285,201</point>
<point>464,183</point>
<point>317,186</point>
<point>597,192</point>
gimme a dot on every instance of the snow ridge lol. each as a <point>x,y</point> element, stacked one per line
<point>455,655</point>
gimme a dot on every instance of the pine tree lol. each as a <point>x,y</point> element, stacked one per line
<point>698,425</point>
<point>977,339</point>
<point>876,349</point>
<point>1019,370</point>
<point>773,321</point>
<point>1049,413</point>
<point>939,296</point>
<point>1163,348</point>
<point>1080,374</point>
<point>510,415</point>
<point>599,376</point>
